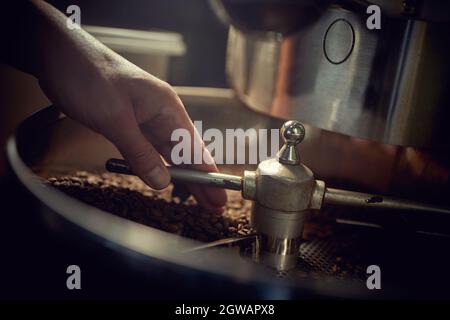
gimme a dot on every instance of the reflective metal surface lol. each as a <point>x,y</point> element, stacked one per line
<point>283,16</point>
<point>333,196</point>
<point>389,85</point>
<point>292,133</point>
<point>221,180</point>
<point>284,192</point>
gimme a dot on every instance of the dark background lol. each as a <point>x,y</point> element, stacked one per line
<point>205,36</point>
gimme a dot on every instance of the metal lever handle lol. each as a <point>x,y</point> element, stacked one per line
<point>367,200</point>
<point>221,180</point>
<point>331,196</point>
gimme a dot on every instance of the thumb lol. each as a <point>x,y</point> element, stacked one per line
<point>143,158</point>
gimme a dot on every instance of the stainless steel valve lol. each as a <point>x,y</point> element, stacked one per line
<point>284,192</point>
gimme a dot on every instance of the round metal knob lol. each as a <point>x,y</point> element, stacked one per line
<point>293,132</point>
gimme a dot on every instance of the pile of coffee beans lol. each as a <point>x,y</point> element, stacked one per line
<point>129,197</point>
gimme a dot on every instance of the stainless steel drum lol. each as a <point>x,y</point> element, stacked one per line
<point>388,85</point>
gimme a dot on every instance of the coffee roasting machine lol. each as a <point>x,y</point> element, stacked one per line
<point>369,106</point>
<point>319,62</point>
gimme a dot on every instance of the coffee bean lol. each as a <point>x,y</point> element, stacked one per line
<point>129,197</point>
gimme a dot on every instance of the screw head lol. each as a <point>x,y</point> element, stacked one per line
<point>293,132</point>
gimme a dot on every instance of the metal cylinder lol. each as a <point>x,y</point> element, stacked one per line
<point>279,236</point>
<point>388,85</point>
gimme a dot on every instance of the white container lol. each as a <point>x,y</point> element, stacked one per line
<point>150,50</point>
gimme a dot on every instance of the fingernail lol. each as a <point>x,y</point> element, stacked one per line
<point>157,178</point>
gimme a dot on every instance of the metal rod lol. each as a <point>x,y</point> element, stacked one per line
<point>221,180</point>
<point>332,196</point>
<point>221,242</point>
<point>226,181</point>
<point>359,199</point>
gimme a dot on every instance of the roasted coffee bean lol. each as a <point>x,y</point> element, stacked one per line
<point>130,198</point>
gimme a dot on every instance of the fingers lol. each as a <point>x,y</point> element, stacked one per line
<point>211,198</point>
<point>159,127</point>
<point>143,158</point>
<point>215,197</point>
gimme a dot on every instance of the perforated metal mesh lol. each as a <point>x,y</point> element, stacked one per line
<point>324,257</point>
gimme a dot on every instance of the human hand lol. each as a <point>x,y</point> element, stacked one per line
<point>97,87</point>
